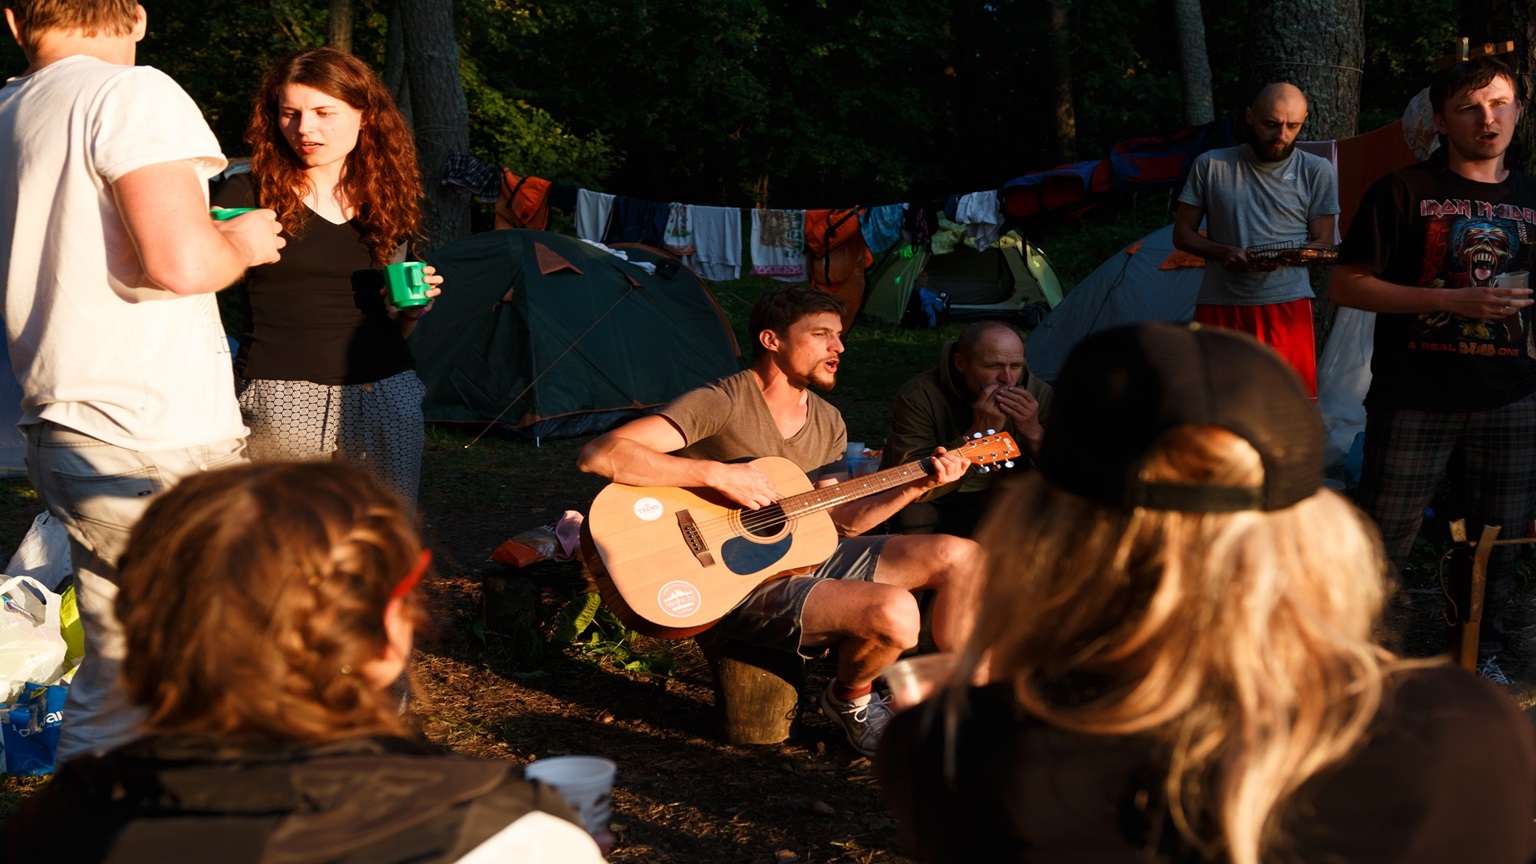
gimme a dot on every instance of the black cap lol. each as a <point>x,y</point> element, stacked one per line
<point>1121,390</point>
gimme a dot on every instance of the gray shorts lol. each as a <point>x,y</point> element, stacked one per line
<point>771,615</point>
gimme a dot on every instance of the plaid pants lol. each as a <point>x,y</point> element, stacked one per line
<point>1491,459</point>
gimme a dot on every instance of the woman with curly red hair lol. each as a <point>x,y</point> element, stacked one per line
<point>323,366</point>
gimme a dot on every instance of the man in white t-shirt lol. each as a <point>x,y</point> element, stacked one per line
<point>108,264</point>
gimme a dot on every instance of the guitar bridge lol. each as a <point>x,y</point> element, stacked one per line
<point>694,538</point>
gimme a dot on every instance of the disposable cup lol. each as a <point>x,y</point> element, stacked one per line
<point>585,782</point>
<point>1517,279</point>
<point>912,679</point>
<point>855,450</point>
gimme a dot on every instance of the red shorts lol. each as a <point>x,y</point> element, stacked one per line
<point>1285,327</point>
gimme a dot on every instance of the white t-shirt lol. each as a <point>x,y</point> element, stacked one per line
<point>95,346</point>
<point>537,838</point>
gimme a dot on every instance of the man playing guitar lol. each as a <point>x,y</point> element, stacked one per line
<point>859,600</point>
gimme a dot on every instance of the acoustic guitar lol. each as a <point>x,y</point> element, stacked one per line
<point>670,561</point>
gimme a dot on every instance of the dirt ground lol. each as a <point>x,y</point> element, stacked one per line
<point>681,795</point>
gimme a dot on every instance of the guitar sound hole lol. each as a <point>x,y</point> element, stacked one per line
<point>766,522</point>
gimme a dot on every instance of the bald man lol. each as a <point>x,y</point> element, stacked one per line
<point>980,384</point>
<point>1262,192</point>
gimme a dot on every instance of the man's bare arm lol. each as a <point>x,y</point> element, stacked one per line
<point>1320,231</point>
<point>1357,286</point>
<point>856,517</point>
<point>1187,237</point>
<point>638,454</point>
<point>183,250</point>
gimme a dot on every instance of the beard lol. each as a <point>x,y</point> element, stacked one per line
<point>1274,152</point>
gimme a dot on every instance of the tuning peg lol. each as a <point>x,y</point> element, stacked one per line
<point>984,469</point>
<point>991,431</point>
<point>1008,464</point>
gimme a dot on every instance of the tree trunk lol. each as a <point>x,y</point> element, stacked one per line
<point>341,25</point>
<point>1061,81</point>
<point>440,113</point>
<point>1497,21</point>
<point>394,61</point>
<point>1194,62</point>
<point>1319,46</point>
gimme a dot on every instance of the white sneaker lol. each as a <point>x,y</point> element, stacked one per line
<point>862,720</point>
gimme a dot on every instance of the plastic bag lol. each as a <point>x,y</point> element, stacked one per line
<point>31,642</point>
<point>43,553</point>
<point>29,730</point>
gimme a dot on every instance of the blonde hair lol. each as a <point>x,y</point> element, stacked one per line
<point>1241,642</point>
<point>252,597</point>
<point>87,17</point>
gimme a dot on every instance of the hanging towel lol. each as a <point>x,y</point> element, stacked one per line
<point>677,238</point>
<point>635,221</point>
<point>882,226</point>
<point>717,241</point>
<point>778,244</point>
<point>592,211</point>
<point>982,216</point>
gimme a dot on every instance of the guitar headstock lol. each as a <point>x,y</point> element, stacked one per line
<point>989,449</point>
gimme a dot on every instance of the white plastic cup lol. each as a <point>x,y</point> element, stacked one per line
<point>1517,279</point>
<point>912,679</point>
<point>585,782</point>
<point>855,450</point>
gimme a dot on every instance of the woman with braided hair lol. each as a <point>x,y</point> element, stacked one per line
<point>268,610</point>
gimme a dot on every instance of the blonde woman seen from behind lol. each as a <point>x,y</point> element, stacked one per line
<point>1178,625</point>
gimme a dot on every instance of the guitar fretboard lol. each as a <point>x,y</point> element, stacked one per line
<point>841,493</point>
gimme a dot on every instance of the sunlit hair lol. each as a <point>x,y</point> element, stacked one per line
<point>781,307</point>
<point>251,598</point>
<point>380,179</point>
<point>1241,642</point>
<point>87,17</point>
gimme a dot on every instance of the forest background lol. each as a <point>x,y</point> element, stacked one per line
<point>817,103</point>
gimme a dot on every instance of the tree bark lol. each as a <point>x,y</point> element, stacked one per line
<point>1061,80</point>
<point>1194,62</point>
<point>440,113</point>
<point>341,25</point>
<point>394,62</point>
<point>1484,21</point>
<point>1318,45</point>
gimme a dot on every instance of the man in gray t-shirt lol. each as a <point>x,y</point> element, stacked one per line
<point>1255,194</point>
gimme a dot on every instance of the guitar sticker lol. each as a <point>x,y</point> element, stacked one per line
<point>648,509</point>
<point>678,599</point>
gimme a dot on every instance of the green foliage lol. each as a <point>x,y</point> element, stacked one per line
<point>608,637</point>
<point>512,132</point>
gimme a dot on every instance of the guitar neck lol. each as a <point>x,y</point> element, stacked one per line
<point>826,497</point>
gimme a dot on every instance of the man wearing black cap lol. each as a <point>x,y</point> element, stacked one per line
<point>1441,250</point>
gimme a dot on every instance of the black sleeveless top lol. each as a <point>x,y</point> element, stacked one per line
<point>317,314</point>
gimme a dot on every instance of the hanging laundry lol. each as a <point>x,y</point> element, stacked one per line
<point>949,235</point>
<point>921,223</point>
<point>882,226</point>
<point>592,212</point>
<point>677,238</point>
<point>838,257</point>
<point>982,216</point>
<point>632,220</point>
<point>473,175</point>
<point>778,244</point>
<point>717,242</point>
<point>523,202</point>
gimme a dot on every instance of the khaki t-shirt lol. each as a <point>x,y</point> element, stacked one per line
<point>728,421</point>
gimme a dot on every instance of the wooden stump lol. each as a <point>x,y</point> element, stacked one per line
<point>757,690</point>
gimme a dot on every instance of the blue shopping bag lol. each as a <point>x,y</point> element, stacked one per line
<point>29,729</point>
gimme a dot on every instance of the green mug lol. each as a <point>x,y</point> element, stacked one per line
<point>407,285</point>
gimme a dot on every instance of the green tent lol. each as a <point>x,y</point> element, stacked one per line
<point>1010,279</point>
<point>556,337</point>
